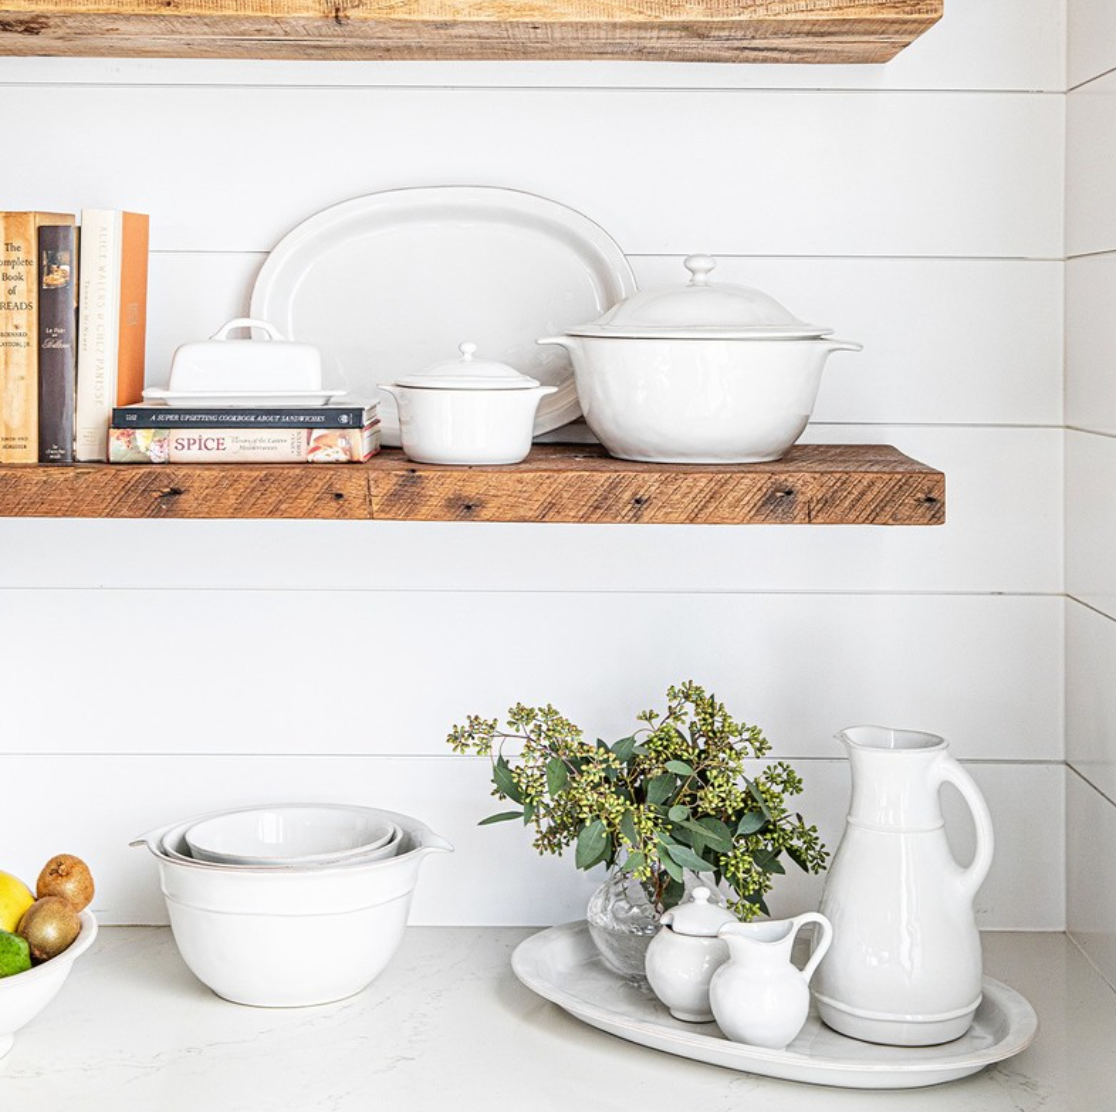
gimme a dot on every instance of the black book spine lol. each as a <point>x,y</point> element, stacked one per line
<point>247,417</point>
<point>57,279</point>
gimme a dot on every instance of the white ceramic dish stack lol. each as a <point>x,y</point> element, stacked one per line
<point>294,834</point>
<point>293,934</point>
<point>24,995</point>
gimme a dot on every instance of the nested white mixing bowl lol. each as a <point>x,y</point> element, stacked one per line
<point>702,373</point>
<point>293,834</point>
<point>294,936</point>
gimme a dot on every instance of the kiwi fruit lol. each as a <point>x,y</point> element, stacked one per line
<point>69,877</point>
<point>50,926</point>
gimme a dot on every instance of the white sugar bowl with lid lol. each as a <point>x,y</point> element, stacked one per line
<point>684,955</point>
<point>705,372</point>
<point>469,411</point>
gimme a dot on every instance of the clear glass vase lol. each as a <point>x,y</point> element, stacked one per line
<point>622,922</point>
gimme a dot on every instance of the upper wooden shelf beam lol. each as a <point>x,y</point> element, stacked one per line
<point>822,484</point>
<point>633,30</point>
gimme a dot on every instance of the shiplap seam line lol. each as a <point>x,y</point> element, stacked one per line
<point>635,592</point>
<point>1077,772</point>
<point>784,753</point>
<point>1091,432</point>
<point>541,87</point>
<point>1089,80</point>
<point>1070,597</point>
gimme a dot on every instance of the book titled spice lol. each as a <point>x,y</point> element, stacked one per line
<point>19,333</point>
<point>233,445</point>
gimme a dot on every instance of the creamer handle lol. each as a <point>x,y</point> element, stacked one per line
<point>951,772</point>
<point>821,942</point>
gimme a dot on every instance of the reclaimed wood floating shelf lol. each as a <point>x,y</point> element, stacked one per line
<point>632,30</point>
<point>814,484</point>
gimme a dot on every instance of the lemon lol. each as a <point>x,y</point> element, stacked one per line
<point>15,899</point>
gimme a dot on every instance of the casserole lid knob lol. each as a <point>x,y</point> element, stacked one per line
<point>469,373</point>
<point>701,309</point>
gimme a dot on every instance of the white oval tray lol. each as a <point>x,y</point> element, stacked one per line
<point>562,965</point>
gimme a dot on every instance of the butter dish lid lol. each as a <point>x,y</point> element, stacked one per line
<point>701,309</point>
<point>698,917</point>
<point>469,373</point>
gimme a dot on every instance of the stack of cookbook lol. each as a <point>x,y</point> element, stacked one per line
<point>154,433</point>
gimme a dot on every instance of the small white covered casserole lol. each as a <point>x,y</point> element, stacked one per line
<point>469,411</point>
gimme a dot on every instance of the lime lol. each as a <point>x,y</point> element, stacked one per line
<point>15,899</point>
<point>15,954</point>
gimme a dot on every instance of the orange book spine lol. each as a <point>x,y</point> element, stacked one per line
<point>133,308</point>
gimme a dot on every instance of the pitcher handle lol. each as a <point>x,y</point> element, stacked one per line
<point>951,772</point>
<point>821,942</point>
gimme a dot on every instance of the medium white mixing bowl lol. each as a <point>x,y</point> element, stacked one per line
<point>290,937</point>
<point>291,834</point>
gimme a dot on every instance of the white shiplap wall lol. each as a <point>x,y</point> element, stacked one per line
<point>1091,480</point>
<point>152,669</point>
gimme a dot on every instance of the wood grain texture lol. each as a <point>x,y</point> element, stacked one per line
<point>822,484</point>
<point>832,31</point>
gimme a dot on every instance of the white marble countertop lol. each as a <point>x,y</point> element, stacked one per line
<point>447,1028</point>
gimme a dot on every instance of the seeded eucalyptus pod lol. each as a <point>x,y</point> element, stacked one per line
<point>674,796</point>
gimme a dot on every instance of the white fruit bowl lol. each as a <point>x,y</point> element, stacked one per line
<point>24,995</point>
<point>290,937</point>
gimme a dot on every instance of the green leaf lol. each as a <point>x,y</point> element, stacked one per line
<point>557,775</point>
<point>505,785</point>
<point>767,860</point>
<point>503,816</point>
<point>678,813</point>
<point>679,767</point>
<point>635,862</point>
<point>750,822</point>
<point>660,788</point>
<point>624,748</point>
<point>757,795</point>
<point>717,834</point>
<point>628,828</point>
<point>798,857</point>
<point>687,858</point>
<point>528,812</point>
<point>671,866</point>
<point>592,844</point>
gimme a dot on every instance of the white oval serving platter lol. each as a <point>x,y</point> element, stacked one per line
<point>562,965</point>
<point>391,283</point>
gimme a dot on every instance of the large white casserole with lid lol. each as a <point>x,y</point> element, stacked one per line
<point>702,373</point>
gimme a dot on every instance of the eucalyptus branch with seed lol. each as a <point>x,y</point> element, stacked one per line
<point>673,796</point>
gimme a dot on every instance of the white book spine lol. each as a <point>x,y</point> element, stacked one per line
<point>98,330</point>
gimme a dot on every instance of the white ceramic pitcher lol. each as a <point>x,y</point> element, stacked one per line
<point>905,965</point>
<point>759,997</point>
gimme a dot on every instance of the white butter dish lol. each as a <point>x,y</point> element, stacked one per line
<point>220,365</point>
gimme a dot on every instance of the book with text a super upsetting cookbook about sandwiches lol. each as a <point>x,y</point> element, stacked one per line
<point>19,332</point>
<point>113,323</point>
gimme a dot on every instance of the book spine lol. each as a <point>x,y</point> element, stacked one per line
<point>57,285</point>
<point>98,331</point>
<point>171,417</point>
<point>243,445</point>
<point>132,330</point>
<point>19,429</point>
